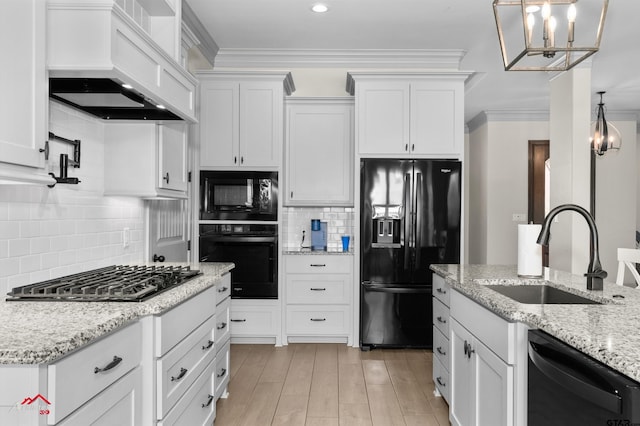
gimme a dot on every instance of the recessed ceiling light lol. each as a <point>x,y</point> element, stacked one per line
<point>160,106</point>
<point>127,86</point>
<point>319,8</point>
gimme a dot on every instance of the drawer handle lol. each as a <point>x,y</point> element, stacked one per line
<point>209,401</point>
<point>116,360</point>
<point>440,351</point>
<point>239,320</point>
<point>318,265</point>
<point>467,349</point>
<point>222,372</point>
<point>443,321</point>
<point>441,291</point>
<point>317,289</point>
<point>208,346</point>
<point>223,289</point>
<point>221,325</point>
<point>440,382</point>
<point>318,319</point>
<point>183,371</point>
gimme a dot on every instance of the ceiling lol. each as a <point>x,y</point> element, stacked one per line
<point>429,24</point>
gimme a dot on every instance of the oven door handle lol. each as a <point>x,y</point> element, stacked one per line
<point>238,239</point>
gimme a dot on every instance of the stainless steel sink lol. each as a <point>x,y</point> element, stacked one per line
<point>537,294</point>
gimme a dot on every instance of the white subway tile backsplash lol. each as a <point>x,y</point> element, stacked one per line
<point>18,248</point>
<point>339,220</point>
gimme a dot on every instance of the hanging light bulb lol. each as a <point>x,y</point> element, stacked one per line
<point>605,136</point>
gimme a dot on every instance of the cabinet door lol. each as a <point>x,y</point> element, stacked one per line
<point>435,123</point>
<point>23,105</point>
<point>172,153</point>
<point>261,105</point>
<point>383,118</point>
<point>462,377</point>
<point>493,388</point>
<point>219,123</point>
<point>319,155</point>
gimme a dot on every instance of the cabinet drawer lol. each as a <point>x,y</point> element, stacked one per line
<point>441,379</point>
<point>180,367</point>
<point>441,290</point>
<point>319,264</point>
<point>441,347</point>
<point>495,332</point>
<point>223,324</point>
<point>253,321</point>
<point>197,406</point>
<point>222,371</point>
<point>315,320</point>
<point>172,326</point>
<point>119,404</point>
<point>76,378</point>
<point>223,288</point>
<point>441,316</point>
<point>318,288</point>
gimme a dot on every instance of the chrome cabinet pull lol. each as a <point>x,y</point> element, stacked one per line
<point>318,265</point>
<point>238,320</point>
<point>317,289</point>
<point>116,360</point>
<point>223,289</point>
<point>166,177</point>
<point>440,382</point>
<point>235,160</point>
<point>441,320</point>
<point>221,325</point>
<point>183,371</point>
<point>208,345</point>
<point>318,319</point>
<point>209,401</point>
<point>406,147</point>
<point>440,351</point>
<point>441,291</point>
<point>222,372</point>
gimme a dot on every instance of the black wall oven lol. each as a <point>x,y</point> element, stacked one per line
<point>254,250</point>
<point>239,195</point>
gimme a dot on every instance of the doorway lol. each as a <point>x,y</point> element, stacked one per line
<point>538,157</point>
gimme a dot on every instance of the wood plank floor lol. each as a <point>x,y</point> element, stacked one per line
<point>330,384</point>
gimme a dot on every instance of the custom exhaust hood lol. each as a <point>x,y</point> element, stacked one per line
<point>107,99</point>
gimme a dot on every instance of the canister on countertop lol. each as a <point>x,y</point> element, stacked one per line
<point>529,251</point>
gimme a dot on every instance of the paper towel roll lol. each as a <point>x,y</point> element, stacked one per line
<point>529,251</point>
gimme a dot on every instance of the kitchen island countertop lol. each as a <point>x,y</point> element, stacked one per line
<point>40,332</point>
<point>608,332</point>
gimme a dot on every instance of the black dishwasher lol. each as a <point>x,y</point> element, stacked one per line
<point>567,387</point>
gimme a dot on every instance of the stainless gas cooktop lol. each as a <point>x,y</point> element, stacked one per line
<point>117,283</point>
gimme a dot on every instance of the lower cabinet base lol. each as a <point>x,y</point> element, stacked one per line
<point>318,339</point>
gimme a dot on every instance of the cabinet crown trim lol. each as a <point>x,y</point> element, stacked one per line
<point>408,76</point>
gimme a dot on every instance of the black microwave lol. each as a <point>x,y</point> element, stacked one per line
<point>238,195</point>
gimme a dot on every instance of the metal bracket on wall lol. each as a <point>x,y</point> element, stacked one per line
<point>65,162</point>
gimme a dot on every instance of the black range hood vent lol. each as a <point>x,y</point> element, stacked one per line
<point>107,99</point>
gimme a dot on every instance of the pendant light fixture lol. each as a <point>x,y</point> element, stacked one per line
<point>605,137</point>
<point>548,35</point>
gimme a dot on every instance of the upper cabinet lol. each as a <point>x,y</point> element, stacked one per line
<point>319,152</point>
<point>24,100</point>
<point>409,114</point>
<point>146,160</point>
<point>241,118</point>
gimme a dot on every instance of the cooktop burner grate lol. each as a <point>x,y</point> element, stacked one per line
<point>115,283</point>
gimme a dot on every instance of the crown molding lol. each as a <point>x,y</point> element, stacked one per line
<point>342,58</point>
<point>207,45</point>
<point>506,115</point>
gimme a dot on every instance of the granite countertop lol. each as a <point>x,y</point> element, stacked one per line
<point>315,253</point>
<point>609,332</point>
<point>41,332</point>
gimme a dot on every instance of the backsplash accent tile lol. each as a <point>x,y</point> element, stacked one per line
<point>47,233</point>
<point>340,221</point>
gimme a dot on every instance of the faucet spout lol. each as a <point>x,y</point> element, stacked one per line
<point>595,274</point>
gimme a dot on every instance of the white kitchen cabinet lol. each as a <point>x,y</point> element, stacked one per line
<point>318,298</point>
<point>255,321</point>
<point>483,362</point>
<point>319,152</point>
<point>241,118</point>
<point>441,328</point>
<point>222,337</point>
<point>146,160</point>
<point>409,114</point>
<point>24,88</point>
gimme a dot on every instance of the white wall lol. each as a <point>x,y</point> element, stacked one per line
<point>47,233</point>
<point>498,188</point>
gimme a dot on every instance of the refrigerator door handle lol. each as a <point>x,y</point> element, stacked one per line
<point>406,201</point>
<point>381,288</point>
<point>419,218</point>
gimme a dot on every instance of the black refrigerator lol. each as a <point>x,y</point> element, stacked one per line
<point>410,218</point>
